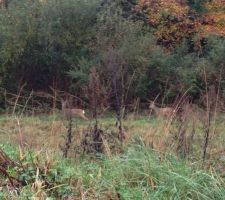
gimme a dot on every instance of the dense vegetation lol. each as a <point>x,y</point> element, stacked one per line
<point>150,164</point>
<point>113,58</point>
<point>138,173</point>
<point>145,47</point>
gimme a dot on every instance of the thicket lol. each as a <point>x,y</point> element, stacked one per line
<point>61,43</point>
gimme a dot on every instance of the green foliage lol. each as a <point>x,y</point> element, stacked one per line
<point>215,52</point>
<point>198,5</point>
<point>58,42</point>
<point>38,174</point>
<point>79,73</point>
<point>138,173</point>
<point>41,41</point>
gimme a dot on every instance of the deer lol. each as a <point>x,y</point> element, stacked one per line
<point>72,112</point>
<point>161,112</point>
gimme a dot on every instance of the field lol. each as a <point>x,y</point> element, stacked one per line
<point>112,100</point>
<point>154,161</point>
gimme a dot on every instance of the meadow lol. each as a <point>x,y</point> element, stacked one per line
<point>152,162</point>
<point>151,76</point>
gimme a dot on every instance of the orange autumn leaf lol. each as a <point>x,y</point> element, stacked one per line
<point>174,20</point>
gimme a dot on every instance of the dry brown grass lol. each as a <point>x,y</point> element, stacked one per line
<point>35,131</point>
<point>46,132</point>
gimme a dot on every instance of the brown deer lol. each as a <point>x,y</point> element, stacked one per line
<point>161,112</point>
<point>72,112</point>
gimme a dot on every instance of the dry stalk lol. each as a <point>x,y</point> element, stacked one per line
<point>172,117</point>
<point>106,146</point>
<point>68,140</point>
<point>24,107</point>
<point>21,138</point>
<point>216,105</point>
<point>208,119</point>
<point>17,98</point>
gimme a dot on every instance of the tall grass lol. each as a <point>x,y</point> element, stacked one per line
<point>138,173</point>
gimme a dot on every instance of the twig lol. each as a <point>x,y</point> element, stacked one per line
<point>17,98</point>
<point>31,94</point>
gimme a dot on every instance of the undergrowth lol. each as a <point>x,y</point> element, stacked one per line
<point>137,173</point>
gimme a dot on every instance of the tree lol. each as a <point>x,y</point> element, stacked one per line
<point>170,19</point>
<point>41,41</point>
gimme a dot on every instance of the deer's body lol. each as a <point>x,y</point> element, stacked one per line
<point>72,112</point>
<point>161,112</point>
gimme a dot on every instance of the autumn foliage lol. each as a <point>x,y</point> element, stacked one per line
<point>175,20</point>
<point>135,49</point>
<point>216,17</point>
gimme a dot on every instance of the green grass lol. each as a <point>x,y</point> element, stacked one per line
<point>138,173</point>
<point>134,172</point>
